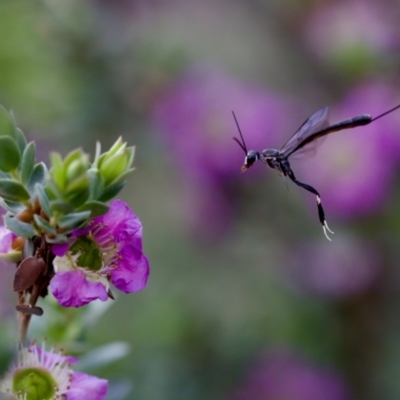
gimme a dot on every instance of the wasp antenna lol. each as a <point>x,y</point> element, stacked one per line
<point>386,113</point>
<point>242,144</point>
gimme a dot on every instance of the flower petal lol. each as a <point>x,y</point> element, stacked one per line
<point>88,387</point>
<point>59,249</point>
<point>6,238</point>
<point>122,223</point>
<point>71,289</point>
<point>132,272</point>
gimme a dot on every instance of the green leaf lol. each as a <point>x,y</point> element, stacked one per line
<point>12,206</point>
<point>19,228</point>
<point>97,208</point>
<point>78,198</point>
<point>38,175</point>
<point>44,225</point>
<point>20,139</point>
<point>61,206</point>
<point>43,200</point>
<point>74,220</point>
<point>104,355</point>
<point>9,154</point>
<point>53,191</point>
<point>78,185</point>
<point>111,192</point>
<point>28,162</point>
<point>73,156</point>
<point>13,190</point>
<point>7,125</point>
<point>96,183</point>
<point>57,169</point>
<point>122,178</point>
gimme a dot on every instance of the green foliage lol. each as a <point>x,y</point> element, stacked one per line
<point>56,202</point>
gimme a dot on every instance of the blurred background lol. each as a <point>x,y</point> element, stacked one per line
<point>247,300</point>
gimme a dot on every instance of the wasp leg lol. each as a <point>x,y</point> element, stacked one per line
<point>321,213</point>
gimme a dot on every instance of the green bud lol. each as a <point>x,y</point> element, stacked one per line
<point>70,177</point>
<point>76,168</point>
<point>115,162</point>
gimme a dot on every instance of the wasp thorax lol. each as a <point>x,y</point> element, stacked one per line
<point>267,153</point>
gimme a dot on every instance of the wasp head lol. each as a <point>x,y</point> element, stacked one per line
<point>251,157</point>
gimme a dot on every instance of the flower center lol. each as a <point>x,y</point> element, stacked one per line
<point>36,383</point>
<point>90,256</point>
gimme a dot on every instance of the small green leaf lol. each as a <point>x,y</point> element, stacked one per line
<point>28,162</point>
<point>78,198</point>
<point>97,208</point>
<point>38,175</point>
<point>74,220</point>
<point>13,190</point>
<point>43,200</point>
<point>9,154</point>
<point>111,192</point>
<point>20,139</point>
<point>57,169</point>
<point>7,125</point>
<point>122,178</point>
<point>96,183</point>
<point>61,206</point>
<point>105,355</point>
<point>44,225</point>
<point>12,206</point>
<point>53,191</point>
<point>77,185</point>
<point>19,228</point>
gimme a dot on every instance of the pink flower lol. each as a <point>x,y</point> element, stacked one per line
<point>48,375</point>
<point>109,249</point>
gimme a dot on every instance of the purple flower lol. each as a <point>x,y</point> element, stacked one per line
<point>109,249</point>
<point>285,375</point>
<point>48,375</point>
<point>195,119</point>
<point>354,169</point>
<point>339,269</point>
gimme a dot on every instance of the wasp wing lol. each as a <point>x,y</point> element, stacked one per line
<point>304,135</point>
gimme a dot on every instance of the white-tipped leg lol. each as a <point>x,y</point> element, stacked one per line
<point>325,227</point>
<point>321,213</point>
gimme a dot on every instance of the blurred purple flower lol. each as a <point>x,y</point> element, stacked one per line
<point>108,249</point>
<point>343,28</point>
<point>336,270</point>
<point>286,375</point>
<point>195,120</point>
<point>354,169</point>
